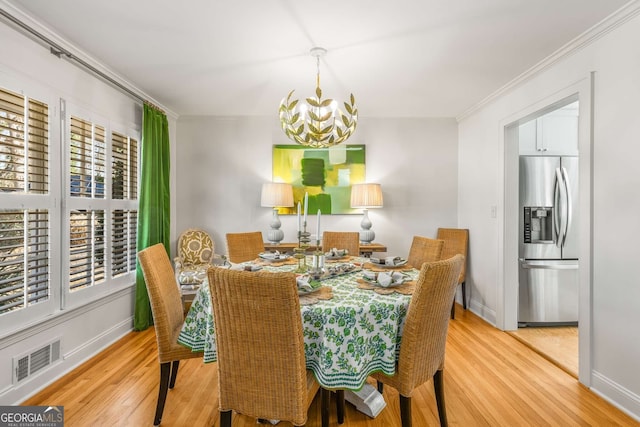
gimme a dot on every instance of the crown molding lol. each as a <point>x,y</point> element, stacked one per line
<point>29,26</point>
<point>608,24</point>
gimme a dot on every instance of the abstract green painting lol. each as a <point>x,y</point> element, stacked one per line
<point>326,174</point>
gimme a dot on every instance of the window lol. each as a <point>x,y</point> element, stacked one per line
<point>25,199</point>
<point>101,207</point>
<point>45,267</point>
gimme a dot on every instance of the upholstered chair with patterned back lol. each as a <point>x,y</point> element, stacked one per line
<point>195,254</point>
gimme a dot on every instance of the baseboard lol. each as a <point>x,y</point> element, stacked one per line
<point>482,311</point>
<point>623,399</point>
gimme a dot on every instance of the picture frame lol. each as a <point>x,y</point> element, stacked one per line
<point>325,174</point>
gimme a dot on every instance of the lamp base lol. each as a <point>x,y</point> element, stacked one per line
<point>367,236</point>
<point>275,235</point>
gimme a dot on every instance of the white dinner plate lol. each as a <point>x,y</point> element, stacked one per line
<point>271,257</point>
<point>375,282</point>
<point>330,258</point>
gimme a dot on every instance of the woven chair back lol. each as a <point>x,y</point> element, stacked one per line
<point>195,247</point>
<point>166,304</point>
<point>349,240</point>
<point>456,241</point>
<point>424,249</point>
<point>259,341</point>
<point>425,330</point>
<point>243,247</point>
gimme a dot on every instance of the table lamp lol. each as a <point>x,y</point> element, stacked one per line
<point>366,196</point>
<point>275,195</point>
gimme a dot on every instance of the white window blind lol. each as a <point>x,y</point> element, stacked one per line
<point>124,179</point>
<point>87,159</point>
<point>124,169</point>
<point>24,177</point>
<point>86,249</point>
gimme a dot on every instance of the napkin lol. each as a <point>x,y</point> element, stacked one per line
<point>270,255</point>
<point>370,275</point>
<point>303,283</point>
<point>387,279</point>
<point>392,260</point>
<point>335,252</point>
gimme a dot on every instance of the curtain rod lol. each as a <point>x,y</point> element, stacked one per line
<point>58,51</point>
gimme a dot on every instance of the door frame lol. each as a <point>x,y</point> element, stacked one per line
<point>507,292</point>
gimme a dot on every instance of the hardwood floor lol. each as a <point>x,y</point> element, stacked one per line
<point>559,344</point>
<point>491,379</point>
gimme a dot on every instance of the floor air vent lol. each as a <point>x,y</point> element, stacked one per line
<point>28,364</point>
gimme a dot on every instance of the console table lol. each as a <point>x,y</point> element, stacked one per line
<point>365,250</point>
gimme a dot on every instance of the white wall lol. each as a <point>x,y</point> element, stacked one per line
<point>615,298</point>
<point>83,331</point>
<point>223,161</point>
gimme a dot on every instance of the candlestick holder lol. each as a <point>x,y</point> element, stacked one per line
<point>317,266</point>
<point>299,253</point>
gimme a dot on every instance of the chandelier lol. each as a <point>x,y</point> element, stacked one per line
<point>318,123</point>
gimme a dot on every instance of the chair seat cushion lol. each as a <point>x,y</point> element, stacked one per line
<point>193,274</point>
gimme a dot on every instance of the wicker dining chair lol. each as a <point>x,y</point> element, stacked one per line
<point>349,240</point>
<point>424,249</point>
<point>260,348</point>
<point>456,241</point>
<point>166,307</point>
<point>243,247</point>
<point>424,336</point>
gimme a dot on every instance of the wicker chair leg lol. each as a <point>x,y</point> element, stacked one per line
<point>324,409</point>
<point>464,295</point>
<point>340,405</point>
<point>380,387</point>
<point>405,411</point>
<point>438,385</point>
<point>174,373</point>
<point>165,371</point>
<point>225,418</point>
<point>453,309</point>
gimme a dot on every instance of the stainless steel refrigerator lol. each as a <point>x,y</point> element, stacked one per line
<point>548,249</point>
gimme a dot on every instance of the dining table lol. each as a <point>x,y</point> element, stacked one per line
<point>352,327</point>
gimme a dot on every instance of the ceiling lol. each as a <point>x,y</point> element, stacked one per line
<point>405,58</point>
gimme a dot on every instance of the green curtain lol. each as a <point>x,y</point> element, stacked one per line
<point>154,207</point>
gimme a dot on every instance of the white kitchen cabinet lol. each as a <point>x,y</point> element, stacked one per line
<point>554,134</point>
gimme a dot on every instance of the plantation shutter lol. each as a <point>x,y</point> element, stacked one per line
<point>24,233</point>
<point>124,178</point>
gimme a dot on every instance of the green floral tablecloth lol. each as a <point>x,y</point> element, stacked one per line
<point>346,338</point>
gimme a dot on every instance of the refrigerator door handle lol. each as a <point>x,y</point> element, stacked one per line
<point>538,265</point>
<point>557,225</point>
<point>568,210</point>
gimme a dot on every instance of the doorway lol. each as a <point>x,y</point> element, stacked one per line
<point>547,237</point>
<point>507,313</point>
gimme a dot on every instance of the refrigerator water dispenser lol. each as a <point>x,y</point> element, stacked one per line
<point>538,224</point>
